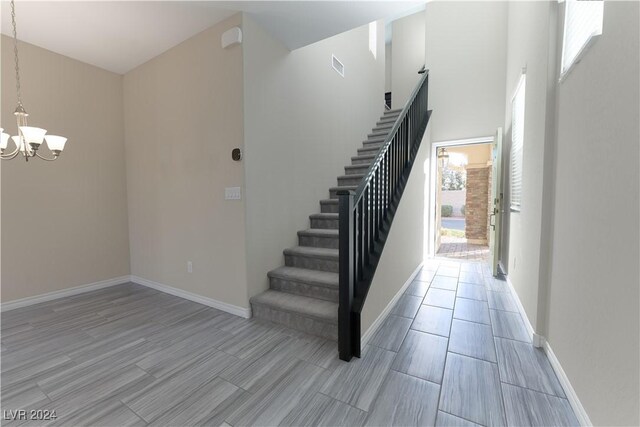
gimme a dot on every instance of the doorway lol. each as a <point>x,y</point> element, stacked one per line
<point>461,205</point>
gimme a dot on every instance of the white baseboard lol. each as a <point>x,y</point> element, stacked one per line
<point>540,341</point>
<point>210,302</point>
<point>578,409</point>
<point>536,339</point>
<point>378,322</point>
<point>24,302</point>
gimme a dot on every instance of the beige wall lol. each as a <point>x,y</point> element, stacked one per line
<point>183,116</point>
<point>407,56</point>
<point>404,248</point>
<point>303,122</point>
<point>593,324</point>
<point>531,44</point>
<point>477,154</point>
<point>65,222</point>
<point>465,54</point>
<point>563,251</point>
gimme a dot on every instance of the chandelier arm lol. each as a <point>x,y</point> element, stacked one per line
<point>11,155</point>
<point>44,158</point>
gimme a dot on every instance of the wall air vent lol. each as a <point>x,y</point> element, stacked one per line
<point>337,65</point>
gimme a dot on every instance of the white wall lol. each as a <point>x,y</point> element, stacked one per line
<point>404,248</point>
<point>465,52</point>
<point>183,116</point>
<point>65,222</point>
<point>593,324</point>
<point>407,56</point>
<point>303,122</point>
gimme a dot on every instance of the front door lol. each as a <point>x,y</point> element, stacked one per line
<point>496,197</point>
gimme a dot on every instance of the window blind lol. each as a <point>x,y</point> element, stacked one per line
<point>582,20</point>
<point>517,141</point>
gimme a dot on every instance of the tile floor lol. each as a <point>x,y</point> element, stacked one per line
<point>453,351</point>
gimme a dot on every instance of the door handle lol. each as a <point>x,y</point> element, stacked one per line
<point>491,223</point>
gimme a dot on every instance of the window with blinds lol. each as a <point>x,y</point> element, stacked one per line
<point>517,140</point>
<point>582,22</point>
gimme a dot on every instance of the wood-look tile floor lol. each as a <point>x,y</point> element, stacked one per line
<point>452,352</point>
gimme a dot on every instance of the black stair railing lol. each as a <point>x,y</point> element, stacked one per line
<point>366,214</point>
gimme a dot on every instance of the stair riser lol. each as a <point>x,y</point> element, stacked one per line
<point>347,180</point>
<point>311,263</point>
<point>369,150</point>
<point>304,289</point>
<point>369,144</point>
<point>325,224</point>
<point>329,208</point>
<point>384,125</point>
<point>378,139</point>
<point>357,171</point>
<point>305,324</point>
<point>361,162</point>
<point>318,242</point>
<point>384,129</point>
<point>333,194</point>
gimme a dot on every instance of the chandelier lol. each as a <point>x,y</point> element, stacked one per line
<point>28,140</point>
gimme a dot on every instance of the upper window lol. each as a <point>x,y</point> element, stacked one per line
<point>517,142</point>
<point>582,22</point>
<point>373,38</point>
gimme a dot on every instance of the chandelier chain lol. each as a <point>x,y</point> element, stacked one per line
<point>28,139</point>
<point>15,51</point>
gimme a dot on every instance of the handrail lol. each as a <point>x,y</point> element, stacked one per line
<point>366,214</point>
<point>390,136</point>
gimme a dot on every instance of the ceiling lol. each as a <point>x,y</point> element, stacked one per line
<point>120,35</point>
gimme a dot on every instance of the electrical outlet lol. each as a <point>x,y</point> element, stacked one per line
<point>189,267</point>
<point>232,193</point>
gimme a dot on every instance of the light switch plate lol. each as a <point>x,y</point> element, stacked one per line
<point>232,193</point>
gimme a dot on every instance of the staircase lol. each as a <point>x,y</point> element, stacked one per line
<point>303,294</point>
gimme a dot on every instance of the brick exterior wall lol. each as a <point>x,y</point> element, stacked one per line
<point>476,207</point>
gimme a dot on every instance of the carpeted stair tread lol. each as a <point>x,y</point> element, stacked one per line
<point>304,292</point>
<point>328,215</point>
<point>308,251</point>
<point>321,232</point>
<point>322,310</point>
<point>313,277</point>
<point>352,176</point>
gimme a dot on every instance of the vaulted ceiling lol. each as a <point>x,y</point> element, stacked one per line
<point>120,35</point>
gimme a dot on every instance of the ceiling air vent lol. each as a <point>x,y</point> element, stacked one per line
<point>337,65</point>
